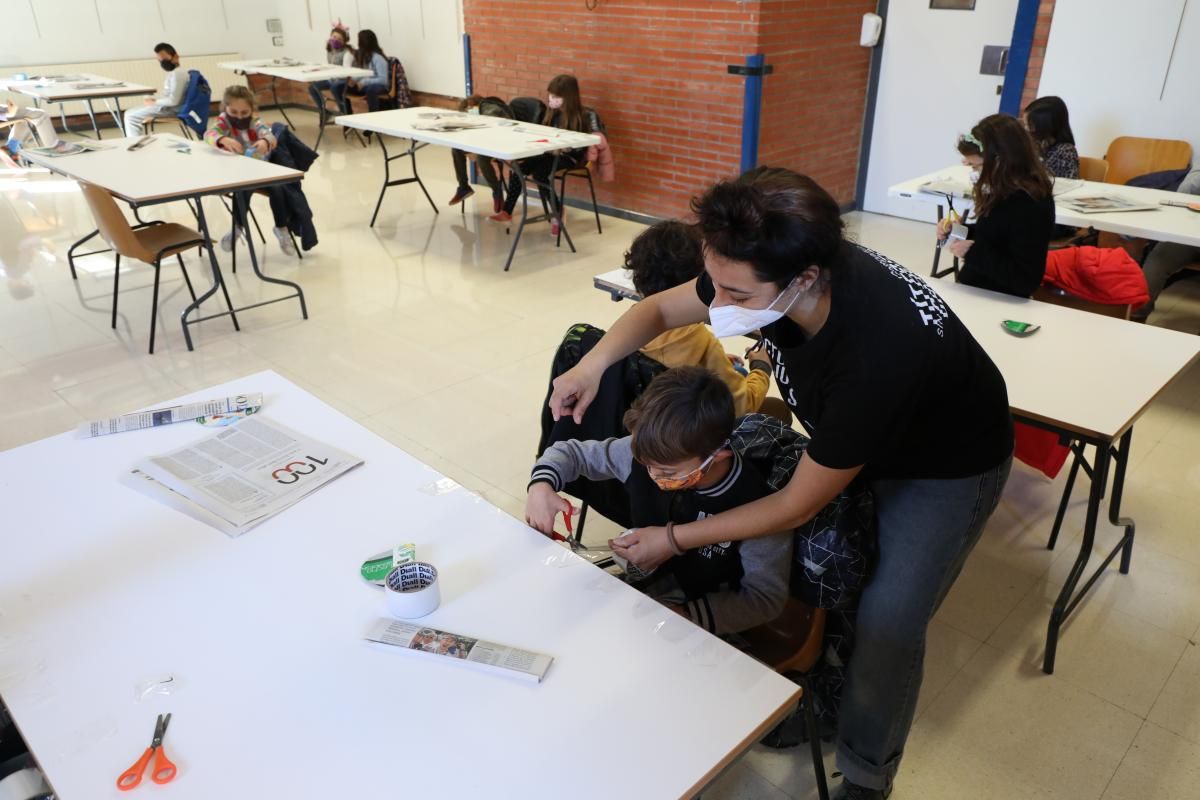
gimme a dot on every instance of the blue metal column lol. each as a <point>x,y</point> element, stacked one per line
<point>467,63</point>
<point>1018,57</point>
<point>469,85</point>
<point>754,70</point>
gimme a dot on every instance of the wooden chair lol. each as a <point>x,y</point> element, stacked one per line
<point>791,645</point>
<point>1130,156</point>
<point>149,243</point>
<point>1093,169</point>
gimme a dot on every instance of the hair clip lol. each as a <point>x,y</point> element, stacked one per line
<point>970,139</point>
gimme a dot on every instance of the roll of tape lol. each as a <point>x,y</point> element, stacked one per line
<point>412,590</point>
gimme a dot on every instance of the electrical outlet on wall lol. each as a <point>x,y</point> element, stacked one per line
<point>277,41</point>
<point>274,26</point>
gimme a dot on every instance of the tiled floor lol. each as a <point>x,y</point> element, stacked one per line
<point>416,332</point>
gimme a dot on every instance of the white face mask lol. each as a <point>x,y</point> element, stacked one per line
<point>734,320</point>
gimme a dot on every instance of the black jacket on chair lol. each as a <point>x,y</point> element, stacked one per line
<point>619,387</point>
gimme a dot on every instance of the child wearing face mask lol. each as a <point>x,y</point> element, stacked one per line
<point>1005,249</point>
<point>166,103</point>
<point>339,53</point>
<point>677,466</point>
<point>237,130</point>
<point>564,109</point>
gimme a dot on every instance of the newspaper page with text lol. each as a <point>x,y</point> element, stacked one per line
<point>242,475</point>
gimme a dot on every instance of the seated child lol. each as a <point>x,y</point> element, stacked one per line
<point>487,169</point>
<point>26,123</point>
<point>664,256</point>
<point>168,102</point>
<point>677,467</point>
<point>238,130</point>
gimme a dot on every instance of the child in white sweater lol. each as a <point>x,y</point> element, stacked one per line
<point>167,103</point>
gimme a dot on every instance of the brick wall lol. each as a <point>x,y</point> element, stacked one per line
<point>655,70</point>
<point>1041,35</point>
<point>813,103</point>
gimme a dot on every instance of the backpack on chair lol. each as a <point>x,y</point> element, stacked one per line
<point>399,94</point>
<point>495,107</point>
<point>196,103</point>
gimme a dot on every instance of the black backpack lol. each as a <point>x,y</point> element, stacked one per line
<point>495,107</point>
<point>835,550</point>
<point>528,109</point>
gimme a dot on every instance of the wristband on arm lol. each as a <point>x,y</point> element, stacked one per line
<point>675,548</point>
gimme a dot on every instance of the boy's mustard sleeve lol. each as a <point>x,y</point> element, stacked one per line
<point>749,391</point>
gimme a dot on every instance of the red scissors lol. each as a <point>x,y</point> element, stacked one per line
<point>163,770</point>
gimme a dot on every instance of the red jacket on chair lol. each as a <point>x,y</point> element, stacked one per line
<point>1099,274</point>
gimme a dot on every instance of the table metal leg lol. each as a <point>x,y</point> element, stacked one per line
<point>242,200</point>
<point>1068,598</point>
<point>117,115</point>
<point>275,97</point>
<point>516,167</point>
<point>411,152</point>
<point>92,117</point>
<point>218,283</point>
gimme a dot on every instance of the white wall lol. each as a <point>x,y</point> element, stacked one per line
<point>75,31</point>
<point>424,34</point>
<point>1108,59</point>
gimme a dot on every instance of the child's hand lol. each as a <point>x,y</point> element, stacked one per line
<point>230,144</point>
<point>943,227</point>
<point>263,147</point>
<point>147,101</point>
<point>542,506</point>
<point>735,360</point>
<point>959,247</point>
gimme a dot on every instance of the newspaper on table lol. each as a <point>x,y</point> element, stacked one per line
<point>1104,203</point>
<point>241,476</point>
<point>152,418</point>
<point>486,656</point>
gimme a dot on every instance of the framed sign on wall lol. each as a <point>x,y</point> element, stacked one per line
<point>960,5</point>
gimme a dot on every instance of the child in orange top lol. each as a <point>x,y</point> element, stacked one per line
<point>664,256</point>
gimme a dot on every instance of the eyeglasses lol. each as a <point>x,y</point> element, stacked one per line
<point>668,482</point>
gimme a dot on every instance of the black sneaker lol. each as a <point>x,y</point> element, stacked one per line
<point>852,791</point>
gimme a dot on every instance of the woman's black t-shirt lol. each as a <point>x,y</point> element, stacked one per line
<point>893,380</point>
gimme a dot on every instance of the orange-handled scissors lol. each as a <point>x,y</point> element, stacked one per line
<point>163,770</point>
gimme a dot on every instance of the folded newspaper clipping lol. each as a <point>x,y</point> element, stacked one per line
<point>241,476</point>
<point>487,656</point>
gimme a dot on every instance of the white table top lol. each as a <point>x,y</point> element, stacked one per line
<point>279,696</point>
<point>1163,224</point>
<point>158,172</point>
<point>619,282</point>
<point>303,73</point>
<point>1084,372</point>
<point>56,91</point>
<point>502,139</point>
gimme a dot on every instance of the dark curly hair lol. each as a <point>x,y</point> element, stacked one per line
<point>664,256</point>
<point>778,221</point>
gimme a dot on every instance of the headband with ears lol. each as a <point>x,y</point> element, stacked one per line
<point>341,26</point>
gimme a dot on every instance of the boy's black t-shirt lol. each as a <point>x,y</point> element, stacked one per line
<point>712,567</point>
<point>893,381</point>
